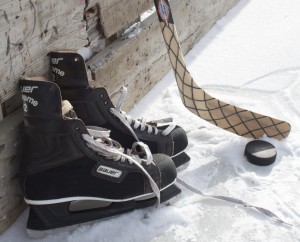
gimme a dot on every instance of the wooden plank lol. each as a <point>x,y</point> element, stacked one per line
<point>116,14</point>
<point>145,81</point>
<point>29,30</point>
<point>1,113</point>
<point>91,3</point>
<point>128,61</point>
<point>95,33</point>
<point>11,198</point>
<point>11,104</point>
<point>106,19</point>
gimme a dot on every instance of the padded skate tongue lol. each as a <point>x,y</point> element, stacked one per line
<point>67,109</point>
<point>68,69</point>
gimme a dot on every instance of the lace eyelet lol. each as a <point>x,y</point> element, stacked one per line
<point>76,59</point>
<point>105,102</point>
<point>77,128</point>
<point>101,95</point>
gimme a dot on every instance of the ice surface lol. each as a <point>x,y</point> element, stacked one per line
<point>251,58</point>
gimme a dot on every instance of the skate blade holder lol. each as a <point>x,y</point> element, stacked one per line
<point>65,216</point>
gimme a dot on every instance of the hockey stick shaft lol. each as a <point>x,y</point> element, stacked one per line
<point>226,116</point>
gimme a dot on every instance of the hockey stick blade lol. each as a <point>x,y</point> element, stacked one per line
<point>226,116</point>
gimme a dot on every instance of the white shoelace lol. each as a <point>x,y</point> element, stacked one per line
<point>142,124</point>
<point>264,211</point>
<point>99,141</point>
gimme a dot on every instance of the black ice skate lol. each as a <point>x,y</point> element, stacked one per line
<point>72,173</point>
<point>94,107</point>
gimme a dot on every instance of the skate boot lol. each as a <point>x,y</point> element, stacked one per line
<point>94,107</point>
<point>72,173</point>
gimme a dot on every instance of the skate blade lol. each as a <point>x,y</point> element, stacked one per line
<point>180,159</point>
<point>45,220</point>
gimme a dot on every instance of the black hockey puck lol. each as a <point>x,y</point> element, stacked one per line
<point>261,153</point>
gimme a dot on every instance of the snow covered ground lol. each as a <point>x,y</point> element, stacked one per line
<point>251,58</point>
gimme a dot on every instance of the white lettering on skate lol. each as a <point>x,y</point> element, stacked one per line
<point>28,89</point>
<point>25,107</point>
<point>58,71</point>
<point>28,100</point>
<point>105,170</point>
<point>56,60</point>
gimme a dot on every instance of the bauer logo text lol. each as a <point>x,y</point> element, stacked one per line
<point>55,60</point>
<point>105,170</point>
<point>58,71</point>
<point>28,89</point>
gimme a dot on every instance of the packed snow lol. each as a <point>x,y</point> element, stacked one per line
<point>250,58</point>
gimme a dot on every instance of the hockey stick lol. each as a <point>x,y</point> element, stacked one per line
<point>226,116</point>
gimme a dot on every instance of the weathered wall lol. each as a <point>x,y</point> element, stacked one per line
<point>30,29</point>
<point>126,11</point>
<point>11,198</point>
<point>141,61</point>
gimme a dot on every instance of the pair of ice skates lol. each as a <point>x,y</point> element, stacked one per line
<point>84,159</point>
